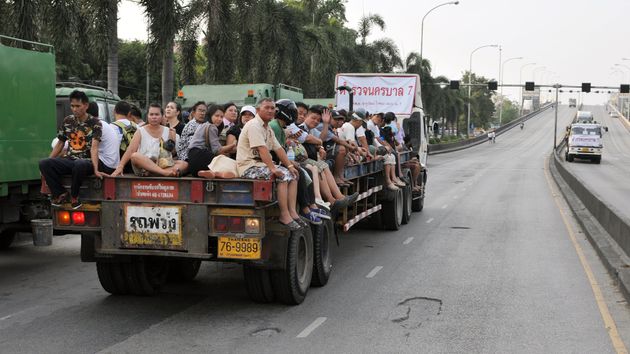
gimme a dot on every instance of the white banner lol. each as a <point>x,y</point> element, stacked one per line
<point>378,93</point>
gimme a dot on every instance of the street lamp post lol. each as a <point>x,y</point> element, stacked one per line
<point>470,82</point>
<point>501,81</point>
<point>422,25</point>
<point>520,81</point>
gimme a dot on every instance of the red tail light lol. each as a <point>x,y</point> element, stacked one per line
<point>221,223</point>
<point>78,218</point>
<point>237,224</point>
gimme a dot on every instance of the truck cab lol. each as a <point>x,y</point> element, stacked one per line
<point>584,141</point>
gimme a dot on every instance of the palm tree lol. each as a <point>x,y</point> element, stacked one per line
<point>366,23</point>
<point>105,36</point>
<point>164,23</point>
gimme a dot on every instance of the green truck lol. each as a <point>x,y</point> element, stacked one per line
<point>27,111</point>
<point>239,94</point>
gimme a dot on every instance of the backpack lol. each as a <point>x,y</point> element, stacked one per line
<point>127,133</point>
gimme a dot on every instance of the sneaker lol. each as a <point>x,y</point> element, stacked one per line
<point>353,197</point>
<point>312,218</point>
<point>323,214</point>
<point>400,184</point>
<point>76,203</point>
<point>59,200</point>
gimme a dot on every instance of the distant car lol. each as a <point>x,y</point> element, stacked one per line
<point>614,114</point>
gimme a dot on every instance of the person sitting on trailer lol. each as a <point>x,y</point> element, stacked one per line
<point>247,113</point>
<point>337,149</point>
<point>83,132</point>
<point>254,161</point>
<point>316,153</point>
<point>385,149</point>
<point>198,117</point>
<point>126,127</point>
<point>205,147</point>
<point>353,132</point>
<point>302,111</point>
<point>135,115</point>
<point>151,149</point>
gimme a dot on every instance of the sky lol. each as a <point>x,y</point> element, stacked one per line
<point>570,41</point>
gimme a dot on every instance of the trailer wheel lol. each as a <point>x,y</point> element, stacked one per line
<point>569,158</point>
<point>6,238</point>
<point>146,275</point>
<point>393,211</point>
<point>322,259</point>
<point>183,270</point>
<point>407,199</point>
<point>111,277</point>
<point>597,159</point>
<point>291,284</point>
<point>258,284</point>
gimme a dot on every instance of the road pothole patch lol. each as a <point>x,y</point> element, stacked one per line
<point>411,313</point>
<point>460,227</point>
<point>265,332</point>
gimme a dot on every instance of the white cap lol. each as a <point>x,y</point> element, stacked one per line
<point>249,109</point>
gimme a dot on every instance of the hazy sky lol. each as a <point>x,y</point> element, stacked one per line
<point>576,41</point>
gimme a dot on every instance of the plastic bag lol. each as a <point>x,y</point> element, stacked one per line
<point>165,158</point>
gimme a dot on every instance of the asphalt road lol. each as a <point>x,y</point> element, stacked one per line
<point>488,266</point>
<point>610,179</point>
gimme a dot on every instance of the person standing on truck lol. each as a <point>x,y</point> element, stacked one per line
<point>254,161</point>
<point>83,133</point>
<point>198,113</point>
<point>149,150</point>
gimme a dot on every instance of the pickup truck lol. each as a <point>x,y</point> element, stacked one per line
<point>584,141</point>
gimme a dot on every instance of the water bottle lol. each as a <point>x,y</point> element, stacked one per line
<point>291,154</point>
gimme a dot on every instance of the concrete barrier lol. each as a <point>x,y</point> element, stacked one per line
<point>613,250</point>
<point>435,149</point>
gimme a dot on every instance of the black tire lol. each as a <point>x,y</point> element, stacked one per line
<point>322,258</point>
<point>111,277</point>
<point>258,284</point>
<point>146,275</point>
<point>291,284</point>
<point>417,204</point>
<point>569,158</point>
<point>597,159</point>
<point>183,270</point>
<point>6,238</point>
<point>392,211</point>
<point>407,207</point>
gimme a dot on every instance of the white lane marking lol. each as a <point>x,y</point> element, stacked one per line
<point>444,206</point>
<point>455,197</point>
<point>5,317</point>
<point>313,326</point>
<point>464,189</point>
<point>373,272</point>
<point>429,221</point>
<point>408,241</point>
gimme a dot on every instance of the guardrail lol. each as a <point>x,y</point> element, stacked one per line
<point>464,144</point>
<point>613,221</point>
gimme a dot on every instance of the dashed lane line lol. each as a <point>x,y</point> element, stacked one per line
<point>444,206</point>
<point>373,272</point>
<point>408,241</point>
<point>430,221</point>
<point>313,326</point>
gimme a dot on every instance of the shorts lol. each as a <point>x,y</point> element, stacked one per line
<point>390,159</point>
<point>321,165</point>
<point>263,172</point>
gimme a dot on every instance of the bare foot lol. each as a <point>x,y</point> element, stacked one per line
<point>206,174</point>
<point>224,175</point>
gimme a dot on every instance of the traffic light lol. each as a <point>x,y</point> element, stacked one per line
<point>492,85</point>
<point>624,88</point>
<point>529,86</point>
<point>454,85</point>
<point>586,87</point>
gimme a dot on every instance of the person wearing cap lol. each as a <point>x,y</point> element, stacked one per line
<point>328,186</point>
<point>232,134</point>
<point>336,148</point>
<point>354,133</point>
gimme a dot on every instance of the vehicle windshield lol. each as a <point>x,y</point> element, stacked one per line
<point>586,131</point>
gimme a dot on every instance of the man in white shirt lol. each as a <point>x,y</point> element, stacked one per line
<point>109,149</point>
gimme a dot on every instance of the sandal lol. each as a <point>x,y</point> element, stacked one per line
<point>293,226</point>
<point>301,222</point>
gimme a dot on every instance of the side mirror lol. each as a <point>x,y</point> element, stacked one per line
<point>606,128</point>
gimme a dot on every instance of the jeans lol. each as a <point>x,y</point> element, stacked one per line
<point>305,192</point>
<point>54,168</point>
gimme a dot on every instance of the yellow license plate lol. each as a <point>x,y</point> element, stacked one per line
<point>584,149</point>
<point>239,248</point>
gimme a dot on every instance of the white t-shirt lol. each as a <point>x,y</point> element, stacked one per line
<point>109,146</point>
<point>377,133</point>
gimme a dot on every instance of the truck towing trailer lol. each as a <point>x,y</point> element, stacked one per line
<point>143,231</point>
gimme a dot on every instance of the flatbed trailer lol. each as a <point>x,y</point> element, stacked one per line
<point>143,232</point>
